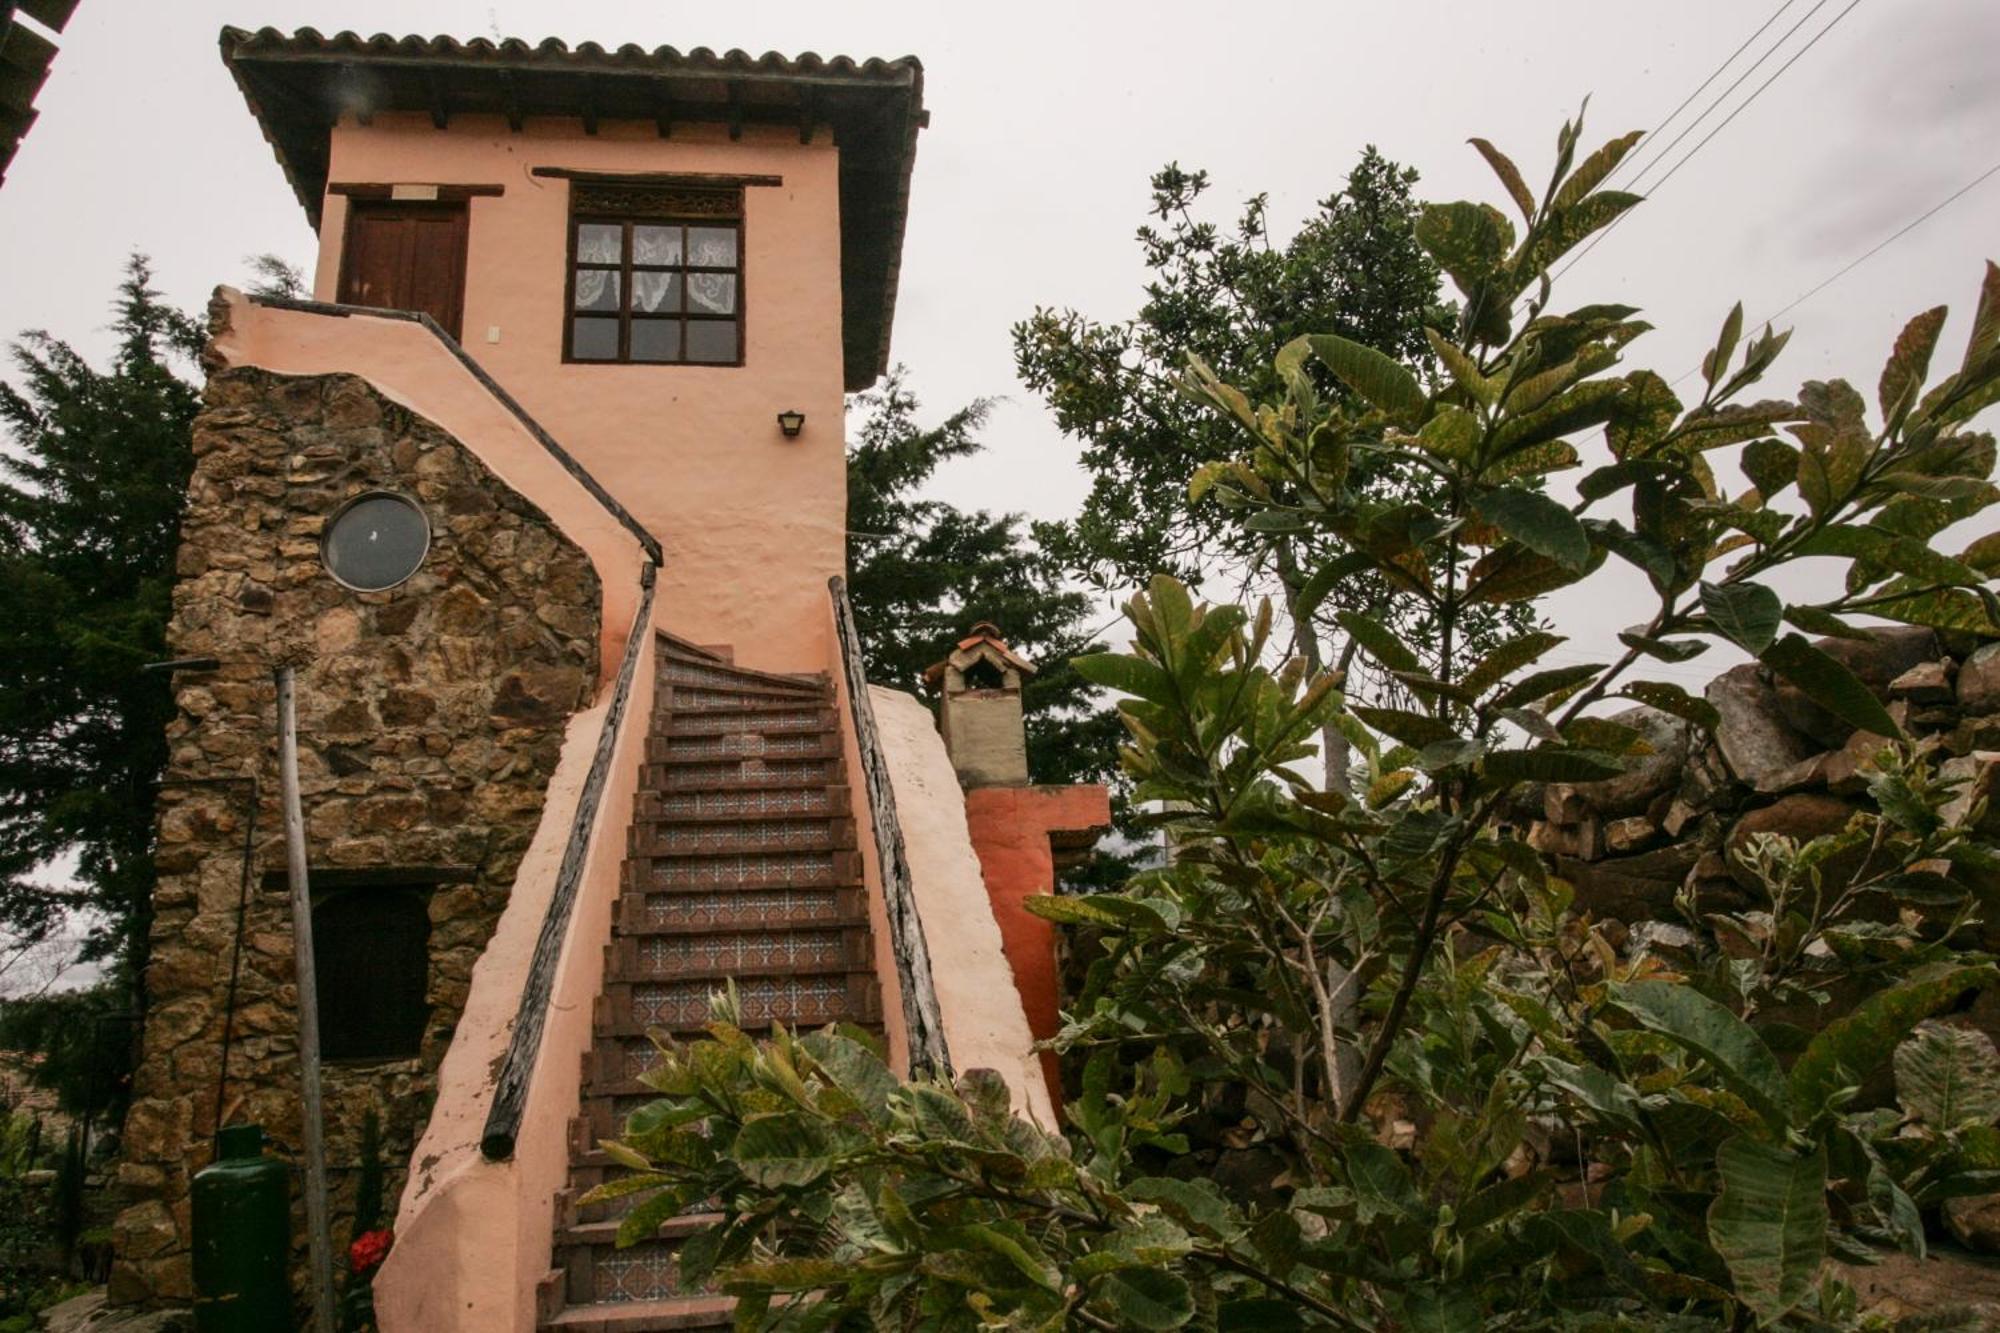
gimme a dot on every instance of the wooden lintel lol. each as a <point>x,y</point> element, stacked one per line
<point>703,178</point>
<point>446,194</point>
<point>369,877</point>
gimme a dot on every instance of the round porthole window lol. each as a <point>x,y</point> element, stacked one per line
<point>375,541</point>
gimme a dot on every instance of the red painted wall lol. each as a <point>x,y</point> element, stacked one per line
<point>1010,829</point>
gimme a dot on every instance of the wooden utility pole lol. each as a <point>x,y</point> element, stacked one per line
<point>318,1229</point>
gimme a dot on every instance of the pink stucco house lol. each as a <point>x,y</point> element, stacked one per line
<point>542,494</point>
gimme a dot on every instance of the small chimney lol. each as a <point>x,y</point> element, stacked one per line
<point>979,710</point>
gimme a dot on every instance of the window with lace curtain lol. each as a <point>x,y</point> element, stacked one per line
<point>655,275</point>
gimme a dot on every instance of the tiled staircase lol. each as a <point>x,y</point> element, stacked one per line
<point>741,864</point>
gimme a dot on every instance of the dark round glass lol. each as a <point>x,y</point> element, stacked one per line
<point>376,541</point>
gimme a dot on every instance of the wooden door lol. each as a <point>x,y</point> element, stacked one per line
<point>406,256</point>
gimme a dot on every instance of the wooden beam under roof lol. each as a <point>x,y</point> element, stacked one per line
<point>434,93</point>
<point>510,97</point>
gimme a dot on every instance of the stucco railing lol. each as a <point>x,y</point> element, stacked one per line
<point>646,540</point>
<point>517,1069</point>
<point>923,1019</point>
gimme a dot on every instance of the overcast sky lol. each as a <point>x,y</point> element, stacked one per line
<point>1048,118</point>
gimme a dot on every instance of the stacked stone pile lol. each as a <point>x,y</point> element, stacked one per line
<point>1776,763</point>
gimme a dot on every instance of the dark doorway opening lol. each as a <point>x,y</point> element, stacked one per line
<point>371,953</point>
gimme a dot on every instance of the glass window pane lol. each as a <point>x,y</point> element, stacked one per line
<point>712,246</point>
<point>594,340</point>
<point>599,243</point>
<point>711,340</point>
<point>656,340</point>
<point>377,542</point>
<point>656,293</point>
<point>656,245</point>
<point>712,293</point>
<point>597,289</point>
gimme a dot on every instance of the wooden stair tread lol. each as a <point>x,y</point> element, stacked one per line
<point>742,842</point>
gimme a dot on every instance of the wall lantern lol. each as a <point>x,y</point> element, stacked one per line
<point>791,423</point>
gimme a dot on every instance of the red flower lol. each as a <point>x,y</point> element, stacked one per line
<point>369,1249</point>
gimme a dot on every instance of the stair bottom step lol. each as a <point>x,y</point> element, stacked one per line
<point>646,1316</point>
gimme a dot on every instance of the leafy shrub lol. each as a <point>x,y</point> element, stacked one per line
<point>1468,1108</point>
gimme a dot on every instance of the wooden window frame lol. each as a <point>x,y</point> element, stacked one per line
<point>592,210</point>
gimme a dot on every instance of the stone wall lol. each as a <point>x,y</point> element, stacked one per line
<point>1776,763</point>
<point>430,717</point>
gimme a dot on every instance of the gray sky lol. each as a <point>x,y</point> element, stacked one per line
<point>1047,120</point>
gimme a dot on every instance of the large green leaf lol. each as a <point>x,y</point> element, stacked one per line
<point>1415,729</point>
<point>1146,1298</point>
<point>1904,555</point>
<point>1130,675</point>
<point>1537,522</point>
<point>1771,465</point>
<point>1469,241</point>
<point>1946,608</point>
<point>1948,1076</point>
<point>781,1150</point>
<point>1843,1052</point>
<point>1590,172</point>
<point>1381,644</point>
<point>1508,657</point>
<point>1673,699</point>
<point>1542,684</point>
<point>1769,1224</point>
<point>1196,1204</point>
<point>1510,176</point>
<point>1829,684</point>
<point>1730,1046</point>
<point>1381,380</point>
<point>1909,362</point>
<point>1549,764</point>
<point>1749,613</point>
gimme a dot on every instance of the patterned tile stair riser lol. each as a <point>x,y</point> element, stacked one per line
<point>742,866</point>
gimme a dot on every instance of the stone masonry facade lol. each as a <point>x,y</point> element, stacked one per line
<point>1646,848</point>
<point>431,717</point>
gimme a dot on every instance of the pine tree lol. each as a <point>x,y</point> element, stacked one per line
<point>923,571</point>
<point>91,495</point>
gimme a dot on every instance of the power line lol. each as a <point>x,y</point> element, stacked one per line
<point>1900,233</point>
<point>1724,95</point>
<point>1741,107</point>
<point>1877,248</point>
<point>1744,105</point>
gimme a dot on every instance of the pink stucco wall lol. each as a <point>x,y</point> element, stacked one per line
<point>752,523</point>
<point>472,1236</point>
<point>985,1026</point>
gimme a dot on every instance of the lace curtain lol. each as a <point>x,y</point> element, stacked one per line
<point>656,292</point>
<point>597,244</point>
<point>712,293</point>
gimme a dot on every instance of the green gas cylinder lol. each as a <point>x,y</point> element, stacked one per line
<point>242,1237</point>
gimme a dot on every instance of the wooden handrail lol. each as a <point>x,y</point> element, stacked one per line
<point>510,1094</point>
<point>929,1053</point>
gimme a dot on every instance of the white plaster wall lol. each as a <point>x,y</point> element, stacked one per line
<point>984,1024</point>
